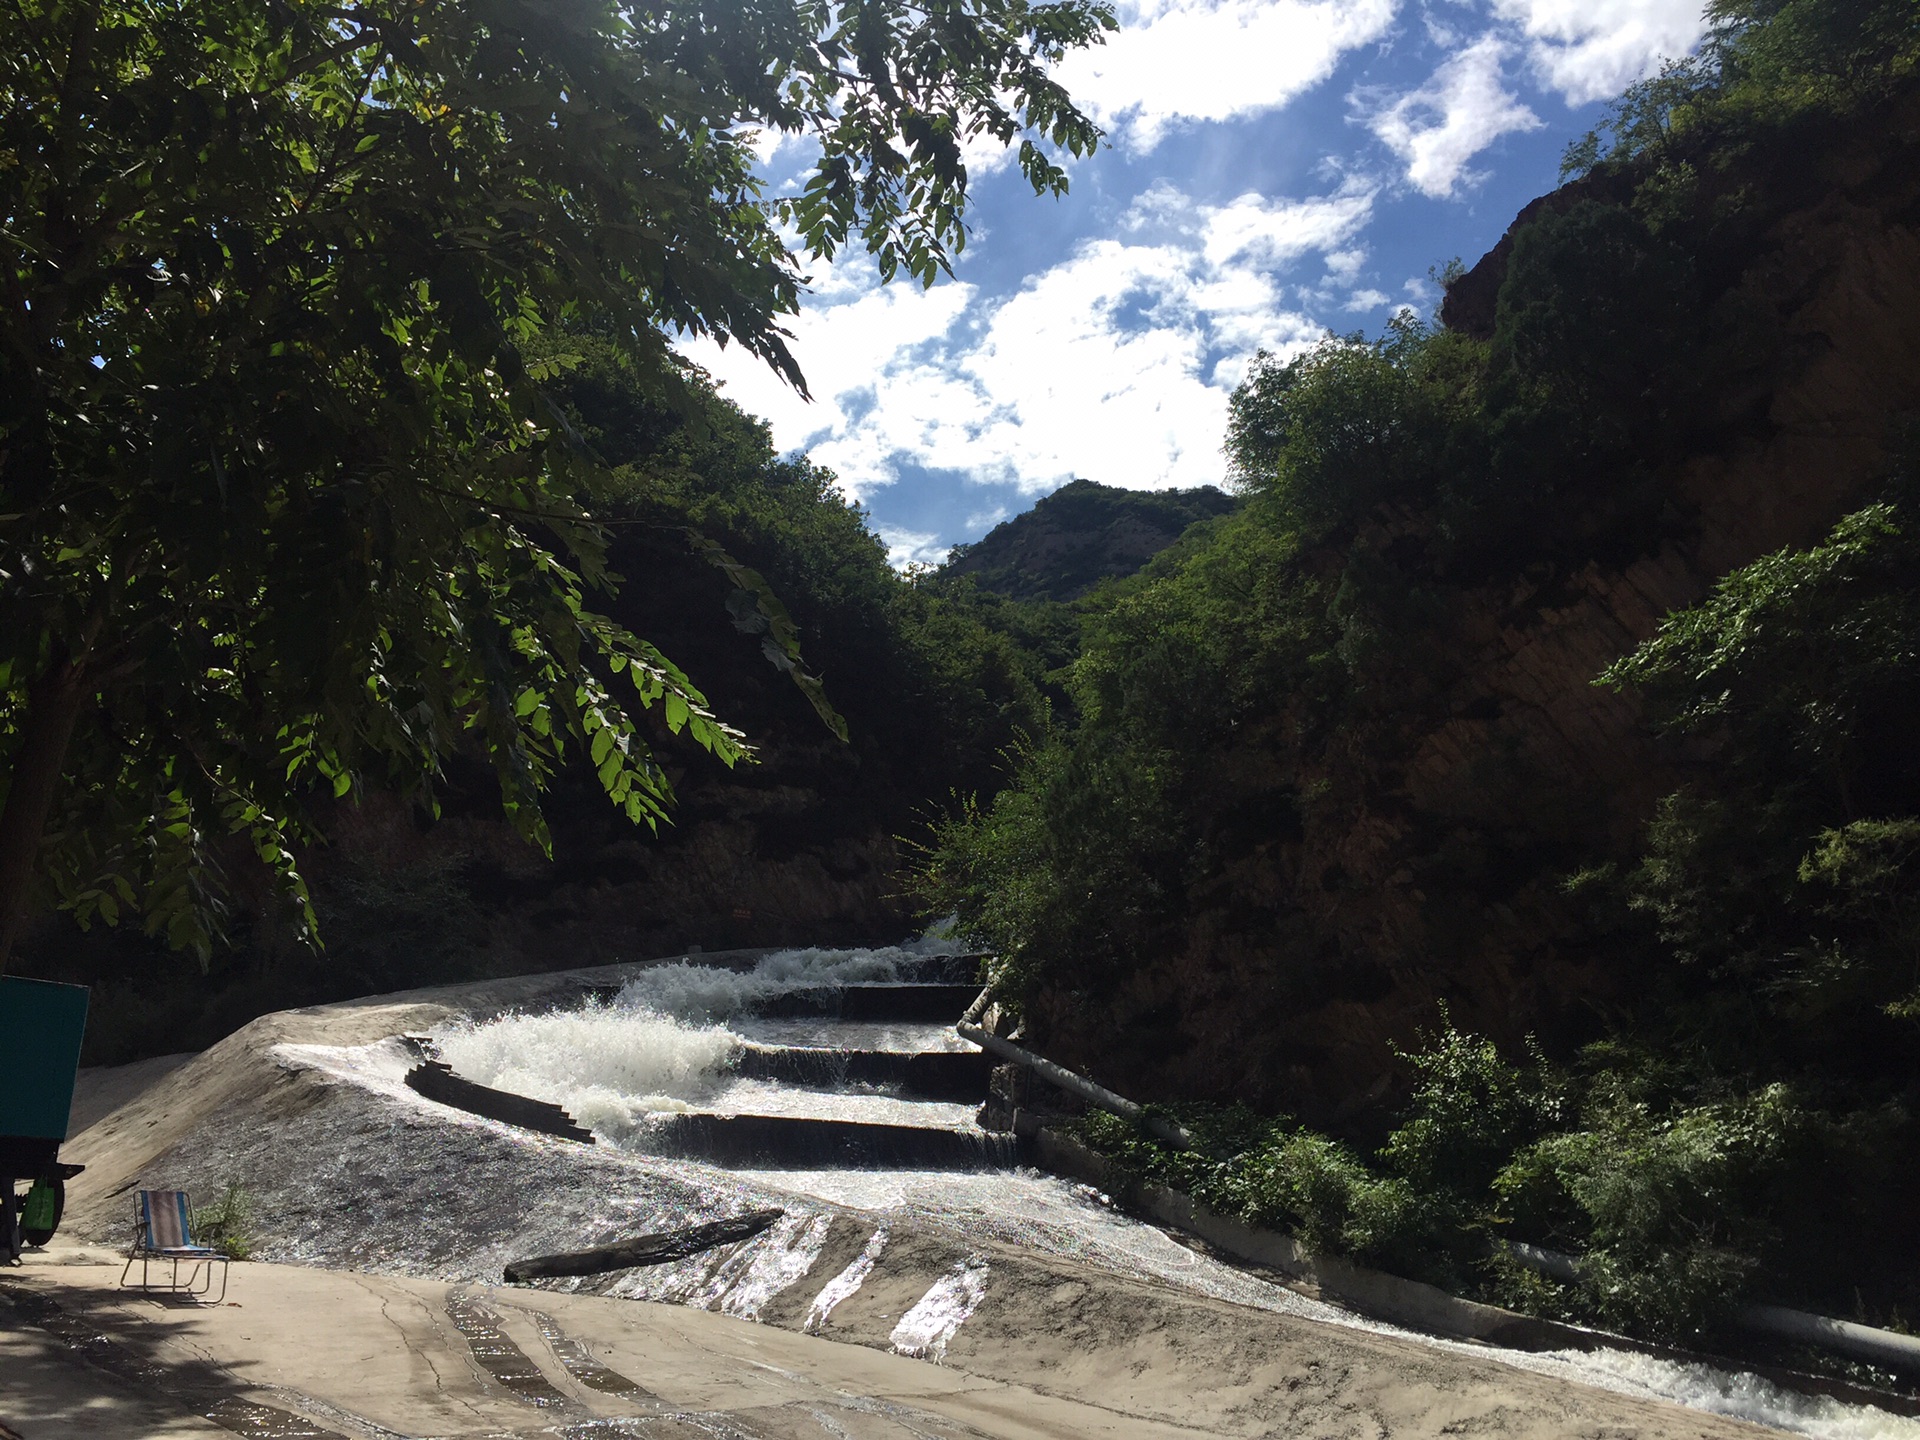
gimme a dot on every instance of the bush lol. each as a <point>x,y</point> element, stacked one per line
<point>224,1225</point>
<point>1469,1111</point>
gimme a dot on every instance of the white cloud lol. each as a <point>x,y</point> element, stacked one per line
<point>1344,265</point>
<point>1463,108</point>
<point>1367,300</point>
<point>911,547</point>
<point>1186,60</point>
<point>984,520</point>
<point>1592,49</point>
<point>1114,364</point>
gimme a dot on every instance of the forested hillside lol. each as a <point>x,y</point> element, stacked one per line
<point>1079,535</point>
<point>797,846</point>
<point>1515,806</point>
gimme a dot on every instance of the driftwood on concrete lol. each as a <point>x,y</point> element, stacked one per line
<point>435,1080</point>
<point>658,1249</point>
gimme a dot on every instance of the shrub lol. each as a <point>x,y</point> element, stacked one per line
<point>1339,428</point>
<point>224,1225</point>
<point>1470,1110</point>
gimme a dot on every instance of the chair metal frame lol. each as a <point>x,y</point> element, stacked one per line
<point>203,1257</point>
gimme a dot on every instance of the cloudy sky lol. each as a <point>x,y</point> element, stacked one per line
<point>1276,169</point>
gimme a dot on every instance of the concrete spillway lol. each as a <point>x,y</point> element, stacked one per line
<point>998,1272</point>
<point>928,1075</point>
<point>835,1063</point>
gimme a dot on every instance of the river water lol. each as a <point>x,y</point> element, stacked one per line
<point>671,1044</point>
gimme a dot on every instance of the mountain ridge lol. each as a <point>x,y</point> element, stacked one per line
<point>1081,534</point>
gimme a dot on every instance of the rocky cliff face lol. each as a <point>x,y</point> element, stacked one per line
<point>1417,861</point>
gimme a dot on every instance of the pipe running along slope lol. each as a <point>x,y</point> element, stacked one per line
<point>1883,1347</point>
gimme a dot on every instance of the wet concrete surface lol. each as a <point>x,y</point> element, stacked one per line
<point>328,1355</point>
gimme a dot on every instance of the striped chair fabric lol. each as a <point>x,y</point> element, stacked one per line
<point>163,1217</point>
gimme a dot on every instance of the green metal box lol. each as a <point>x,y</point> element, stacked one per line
<point>40,1028</point>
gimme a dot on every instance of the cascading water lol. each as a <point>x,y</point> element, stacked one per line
<point>622,1065</point>
<point>762,1072</point>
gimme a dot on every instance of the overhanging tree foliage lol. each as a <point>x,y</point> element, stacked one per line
<point>282,505</point>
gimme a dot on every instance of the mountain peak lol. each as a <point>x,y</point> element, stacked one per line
<point>1081,534</point>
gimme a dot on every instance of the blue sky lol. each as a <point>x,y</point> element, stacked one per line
<point>1276,169</point>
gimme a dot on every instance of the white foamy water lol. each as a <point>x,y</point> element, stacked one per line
<point>923,1332</point>
<point>655,1047</point>
<point>710,992</point>
<point>610,1066</point>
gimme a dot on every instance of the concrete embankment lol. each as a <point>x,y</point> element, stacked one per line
<point>401,1198</point>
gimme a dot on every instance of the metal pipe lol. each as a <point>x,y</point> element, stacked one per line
<point>1158,1126</point>
<point>1883,1347</point>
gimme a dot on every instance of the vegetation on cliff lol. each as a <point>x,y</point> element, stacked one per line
<point>1301,819</point>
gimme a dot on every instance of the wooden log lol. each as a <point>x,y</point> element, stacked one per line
<point>658,1249</point>
<point>435,1080</point>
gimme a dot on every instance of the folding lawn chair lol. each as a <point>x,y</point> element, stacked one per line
<point>162,1233</point>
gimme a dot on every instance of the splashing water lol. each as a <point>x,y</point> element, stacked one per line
<point>655,1048</point>
<point>925,1330</point>
<point>708,992</point>
<point>610,1066</point>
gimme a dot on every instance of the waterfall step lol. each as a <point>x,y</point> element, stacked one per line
<point>935,1075</point>
<point>787,1142</point>
<point>888,1001</point>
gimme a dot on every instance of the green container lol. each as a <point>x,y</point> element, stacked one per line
<point>41,1212</point>
<point>40,1029</point>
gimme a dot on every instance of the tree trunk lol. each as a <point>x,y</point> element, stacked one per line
<point>54,702</point>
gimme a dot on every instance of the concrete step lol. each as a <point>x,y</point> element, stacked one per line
<point>909,1001</point>
<point>784,1142</point>
<point>939,1075</point>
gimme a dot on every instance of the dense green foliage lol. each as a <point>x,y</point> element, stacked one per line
<point>1092,851</point>
<point>285,508</point>
<point>931,686</point>
<point>1733,1115</point>
<point>1079,535</point>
